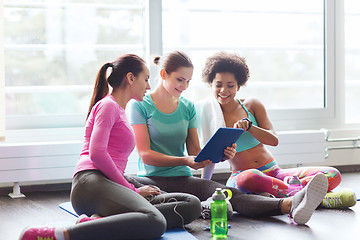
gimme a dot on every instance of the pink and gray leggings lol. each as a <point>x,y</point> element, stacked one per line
<point>270,178</point>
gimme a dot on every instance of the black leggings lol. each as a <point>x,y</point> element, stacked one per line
<point>126,214</point>
<point>246,204</point>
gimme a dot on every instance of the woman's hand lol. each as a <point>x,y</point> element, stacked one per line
<point>230,152</point>
<point>148,190</point>
<point>243,124</point>
<point>190,161</point>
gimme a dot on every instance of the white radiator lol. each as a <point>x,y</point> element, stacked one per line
<point>299,147</point>
<point>44,161</point>
<point>295,147</point>
<point>38,161</point>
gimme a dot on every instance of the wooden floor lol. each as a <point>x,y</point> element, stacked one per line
<point>42,208</point>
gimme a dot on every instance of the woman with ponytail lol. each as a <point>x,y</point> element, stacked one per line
<point>117,209</point>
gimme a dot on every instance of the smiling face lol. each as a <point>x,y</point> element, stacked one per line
<point>178,81</point>
<point>224,87</point>
<point>141,84</point>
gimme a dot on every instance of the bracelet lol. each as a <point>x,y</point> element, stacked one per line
<point>249,121</point>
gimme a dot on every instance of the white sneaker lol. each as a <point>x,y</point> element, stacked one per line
<point>206,211</point>
<point>308,199</point>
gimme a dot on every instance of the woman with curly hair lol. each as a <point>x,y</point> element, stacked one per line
<point>254,169</point>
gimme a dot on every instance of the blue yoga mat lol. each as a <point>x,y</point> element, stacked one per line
<point>170,234</point>
<point>66,206</point>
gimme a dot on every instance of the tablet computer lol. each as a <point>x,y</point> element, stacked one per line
<point>214,148</point>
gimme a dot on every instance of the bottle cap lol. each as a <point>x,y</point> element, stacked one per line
<point>294,180</point>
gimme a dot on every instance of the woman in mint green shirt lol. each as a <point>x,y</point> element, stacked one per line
<point>165,123</point>
<point>168,132</point>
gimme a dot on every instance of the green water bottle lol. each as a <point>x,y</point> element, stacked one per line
<point>219,223</point>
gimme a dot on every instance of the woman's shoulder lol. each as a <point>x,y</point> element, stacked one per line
<point>143,108</point>
<point>186,101</point>
<point>107,108</point>
<point>107,103</point>
<point>253,104</point>
<point>186,104</point>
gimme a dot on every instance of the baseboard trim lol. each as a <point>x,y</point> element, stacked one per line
<point>348,168</point>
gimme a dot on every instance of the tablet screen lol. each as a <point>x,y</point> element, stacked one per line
<point>214,148</point>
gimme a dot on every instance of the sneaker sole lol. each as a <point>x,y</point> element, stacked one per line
<point>316,190</point>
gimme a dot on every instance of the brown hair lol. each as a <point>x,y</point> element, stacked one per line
<point>222,62</point>
<point>173,61</point>
<point>120,67</point>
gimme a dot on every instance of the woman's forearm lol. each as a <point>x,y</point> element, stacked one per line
<point>264,136</point>
<point>154,158</point>
<point>208,171</point>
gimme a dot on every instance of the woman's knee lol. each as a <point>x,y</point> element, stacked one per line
<point>334,177</point>
<point>247,177</point>
<point>159,224</point>
<point>189,206</point>
<point>179,208</point>
<point>334,173</point>
<point>194,208</point>
<point>151,224</point>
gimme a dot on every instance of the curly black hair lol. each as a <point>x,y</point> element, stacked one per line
<point>222,62</point>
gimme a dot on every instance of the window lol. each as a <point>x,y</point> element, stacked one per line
<point>283,42</point>
<point>352,59</point>
<point>53,50</point>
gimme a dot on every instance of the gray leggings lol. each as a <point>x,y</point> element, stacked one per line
<point>246,204</point>
<point>126,214</point>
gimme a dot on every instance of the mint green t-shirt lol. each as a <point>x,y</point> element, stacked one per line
<point>168,133</point>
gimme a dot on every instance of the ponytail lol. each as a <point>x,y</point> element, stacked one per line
<point>157,60</point>
<point>120,67</point>
<point>101,88</point>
